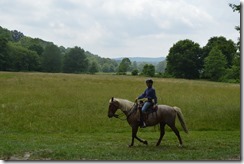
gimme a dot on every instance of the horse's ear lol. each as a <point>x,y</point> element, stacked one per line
<point>112,99</point>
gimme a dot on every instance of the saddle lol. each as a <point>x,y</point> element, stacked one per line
<point>144,116</point>
<point>151,109</point>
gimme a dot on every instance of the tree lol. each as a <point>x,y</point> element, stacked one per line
<point>238,9</point>
<point>234,71</point>
<point>134,72</point>
<point>227,47</point>
<point>37,48</point>
<point>185,60</point>
<point>5,33</point>
<point>4,57</point>
<point>215,64</point>
<point>148,70</point>
<point>93,68</point>
<point>22,59</point>
<point>51,59</point>
<point>161,66</point>
<point>16,35</point>
<point>75,61</point>
<point>134,65</point>
<point>124,65</point>
<point>106,67</point>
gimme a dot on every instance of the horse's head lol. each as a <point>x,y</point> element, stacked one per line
<point>113,107</point>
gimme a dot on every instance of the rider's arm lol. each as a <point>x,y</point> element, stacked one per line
<point>155,98</point>
<point>142,95</point>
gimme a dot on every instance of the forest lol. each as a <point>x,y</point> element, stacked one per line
<point>22,53</point>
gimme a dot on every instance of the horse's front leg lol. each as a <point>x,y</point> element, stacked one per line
<point>134,132</point>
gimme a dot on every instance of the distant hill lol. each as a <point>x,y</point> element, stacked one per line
<point>18,39</point>
<point>143,59</point>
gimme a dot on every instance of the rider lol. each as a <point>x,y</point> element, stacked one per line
<point>150,94</point>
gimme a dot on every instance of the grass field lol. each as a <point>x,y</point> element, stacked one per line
<point>64,117</point>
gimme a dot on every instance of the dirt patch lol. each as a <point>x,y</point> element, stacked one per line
<point>41,155</point>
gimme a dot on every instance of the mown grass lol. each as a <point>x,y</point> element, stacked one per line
<point>200,145</point>
<point>64,117</point>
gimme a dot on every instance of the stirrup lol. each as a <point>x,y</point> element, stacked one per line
<point>143,125</point>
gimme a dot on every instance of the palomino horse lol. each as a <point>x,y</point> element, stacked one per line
<point>165,115</point>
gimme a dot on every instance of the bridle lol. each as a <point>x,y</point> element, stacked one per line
<point>114,109</point>
<point>130,111</point>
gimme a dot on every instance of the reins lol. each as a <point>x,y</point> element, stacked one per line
<point>118,116</point>
<point>130,110</point>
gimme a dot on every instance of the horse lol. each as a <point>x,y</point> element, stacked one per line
<point>165,115</point>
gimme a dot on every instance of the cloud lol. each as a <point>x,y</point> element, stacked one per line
<point>121,28</point>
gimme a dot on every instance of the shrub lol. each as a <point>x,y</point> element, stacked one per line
<point>135,72</point>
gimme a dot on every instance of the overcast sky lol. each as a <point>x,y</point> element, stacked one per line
<point>121,28</point>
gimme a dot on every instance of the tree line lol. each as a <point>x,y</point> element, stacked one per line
<point>218,60</point>
<point>21,53</point>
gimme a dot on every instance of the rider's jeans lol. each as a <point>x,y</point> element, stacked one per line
<point>146,106</point>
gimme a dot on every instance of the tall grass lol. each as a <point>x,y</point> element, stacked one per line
<point>64,117</point>
<point>43,103</point>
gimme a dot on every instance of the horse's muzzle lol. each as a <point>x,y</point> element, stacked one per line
<point>113,115</point>
<point>110,115</point>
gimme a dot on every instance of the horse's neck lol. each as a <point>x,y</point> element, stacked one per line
<point>125,106</point>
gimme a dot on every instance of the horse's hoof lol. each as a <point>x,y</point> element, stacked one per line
<point>130,145</point>
<point>180,145</point>
<point>145,142</point>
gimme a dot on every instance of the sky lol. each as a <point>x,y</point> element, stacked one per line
<point>121,28</point>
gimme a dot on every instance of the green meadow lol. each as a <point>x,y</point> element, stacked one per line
<point>46,116</point>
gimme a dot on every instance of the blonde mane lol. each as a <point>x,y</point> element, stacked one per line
<point>124,104</point>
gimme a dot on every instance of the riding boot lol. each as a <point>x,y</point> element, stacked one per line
<point>142,123</point>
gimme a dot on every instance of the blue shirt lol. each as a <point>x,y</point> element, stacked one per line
<point>150,94</point>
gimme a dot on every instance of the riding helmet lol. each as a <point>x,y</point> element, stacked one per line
<point>149,81</point>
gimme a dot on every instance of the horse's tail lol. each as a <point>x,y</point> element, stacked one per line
<point>181,118</point>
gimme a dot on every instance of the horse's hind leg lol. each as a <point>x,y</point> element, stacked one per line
<point>162,132</point>
<point>177,133</point>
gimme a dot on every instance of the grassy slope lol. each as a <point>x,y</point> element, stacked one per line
<point>62,116</point>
